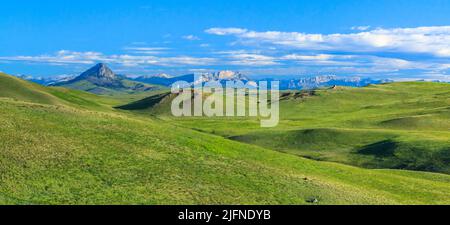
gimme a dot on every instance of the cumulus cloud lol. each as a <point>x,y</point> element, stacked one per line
<point>375,63</point>
<point>421,40</point>
<point>356,62</point>
<point>65,57</point>
<point>62,57</point>
<point>252,60</point>
<point>247,58</point>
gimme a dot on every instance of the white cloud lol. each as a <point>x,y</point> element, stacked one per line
<point>321,59</point>
<point>146,50</point>
<point>65,57</point>
<point>226,31</point>
<point>252,60</point>
<point>309,57</point>
<point>247,58</point>
<point>361,28</point>
<point>420,40</point>
<point>139,43</point>
<point>61,57</point>
<point>359,63</point>
<point>191,37</point>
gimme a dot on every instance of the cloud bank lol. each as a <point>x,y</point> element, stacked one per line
<point>73,57</point>
<point>424,40</point>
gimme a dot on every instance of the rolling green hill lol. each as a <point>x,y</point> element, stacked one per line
<point>396,125</point>
<point>16,89</point>
<point>66,151</point>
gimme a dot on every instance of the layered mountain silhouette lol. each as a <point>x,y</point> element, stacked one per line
<point>314,82</point>
<point>331,80</point>
<point>165,80</point>
<point>195,78</point>
<point>100,79</point>
<point>306,83</point>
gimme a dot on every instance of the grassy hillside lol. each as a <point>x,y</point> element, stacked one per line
<point>20,90</point>
<point>64,154</point>
<point>397,125</point>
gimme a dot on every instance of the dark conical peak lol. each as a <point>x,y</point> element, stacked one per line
<point>100,65</point>
<point>101,71</point>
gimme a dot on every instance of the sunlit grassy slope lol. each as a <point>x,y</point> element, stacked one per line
<point>13,88</point>
<point>57,149</point>
<point>397,125</point>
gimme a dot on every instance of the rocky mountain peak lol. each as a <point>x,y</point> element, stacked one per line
<point>99,71</point>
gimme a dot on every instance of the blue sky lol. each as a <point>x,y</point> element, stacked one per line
<point>394,39</point>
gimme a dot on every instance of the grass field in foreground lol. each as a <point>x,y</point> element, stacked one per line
<point>60,153</point>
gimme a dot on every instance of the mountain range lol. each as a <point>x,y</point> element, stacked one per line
<point>100,79</point>
<point>285,84</point>
<point>328,81</point>
<point>46,81</point>
<point>164,80</point>
<point>167,80</point>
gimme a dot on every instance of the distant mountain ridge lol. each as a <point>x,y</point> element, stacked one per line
<point>46,80</point>
<point>315,82</point>
<point>100,79</point>
<point>285,84</point>
<point>330,80</point>
<point>166,80</point>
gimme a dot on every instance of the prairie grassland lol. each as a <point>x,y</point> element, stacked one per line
<point>397,125</point>
<point>66,147</point>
